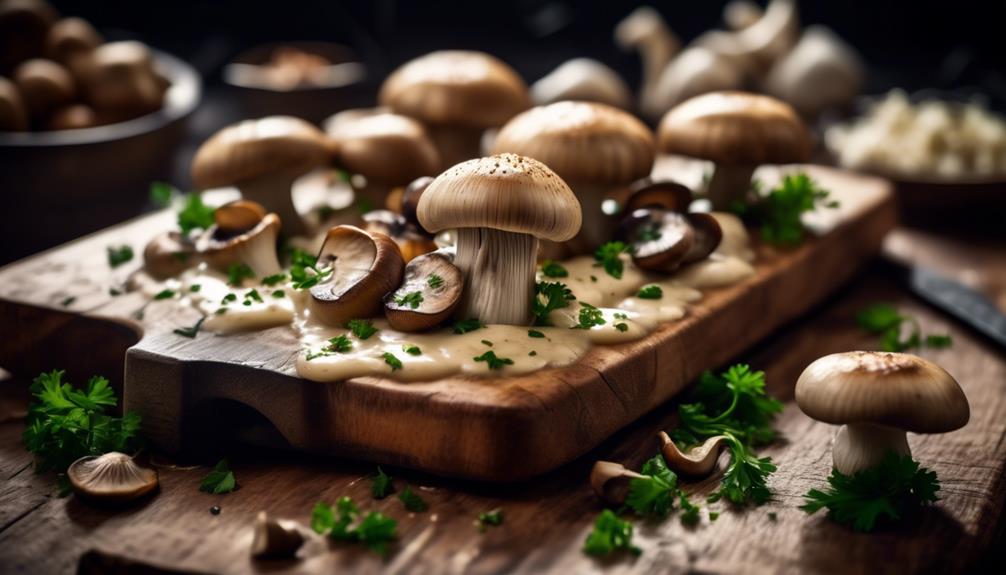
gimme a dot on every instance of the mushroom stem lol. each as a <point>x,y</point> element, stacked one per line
<point>275,193</point>
<point>728,184</point>
<point>499,273</point>
<point>456,144</point>
<point>598,227</point>
<point>860,446</point>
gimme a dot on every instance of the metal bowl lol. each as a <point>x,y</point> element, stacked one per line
<point>59,185</point>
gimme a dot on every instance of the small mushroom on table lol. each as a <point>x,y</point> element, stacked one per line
<point>364,267</point>
<point>457,95</point>
<point>242,233</point>
<point>595,148</point>
<point>500,206</point>
<point>111,478</point>
<point>263,158</point>
<point>876,397</point>
<point>274,538</point>
<point>737,131</point>
<point>428,296</point>
<point>698,461</point>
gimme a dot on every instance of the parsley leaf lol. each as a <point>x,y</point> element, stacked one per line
<point>434,281</point>
<point>622,326</point>
<point>885,320</point>
<point>190,332</point>
<point>194,214</point>
<point>655,493</point>
<point>412,299</point>
<point>652,291</point>
<point>689,511</point>
<point>161,194</point>
<point>65,423</point>
<point>412,349</point>
<point>304,270</point>
<point>610,534</point>
<point>535,334</point>
<point>492,361</point>
<point>252,295</point>
<point>884,493</point>
<point>390,359</point>
<point>492,518</point>
<point>220,480</point>
<point>274,279</point>
<point>237,273</point>
<point>549,297</point>
<point>778,212</point>
<point>343,523</point>
<point>164,294</point>
<point>551,269</point>
<point>589,317</point>
<point>467,325</point>
<point>381,486</point>
<point>412,501</point>
<point>608,256</point>
<point>119,255</point>
<point>361,328</point>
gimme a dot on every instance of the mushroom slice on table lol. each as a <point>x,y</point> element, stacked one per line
<point>112,478</point>
<point>13,114</point>
<point>698,461</point>
<point>500,206</point>
<point>169,254</point>
<point>242,233</point>
<point>737,131</point>
<point>386,149</point>
<point>428,296</point>
<point>364,267</point>
<point>877,397</point>
<point>262,158</point>
<point>412,242</point>
<point>457,95</point>
<point>582,79</point>
<point>610,481</point>
<point>595,148</point>
<point>274,538</point>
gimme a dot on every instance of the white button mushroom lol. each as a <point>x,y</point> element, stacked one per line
<point>822,72</point>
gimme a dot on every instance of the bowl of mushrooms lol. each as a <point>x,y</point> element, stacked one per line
<point>84,124</point>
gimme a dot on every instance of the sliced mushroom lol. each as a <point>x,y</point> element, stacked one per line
<point>44,85</point>
<point>275,539</point>
<point>439,285</point>
<point>13,114</point>
<point>610,481</point>
<point>666,194</point>
<point>169,254</point>
<point>365,267</point>
<point>241,234</point>
<point>412,243</point>
<point>698,461</point>
<point>663,240</point>
<point>708,235</point>
<point>582,79</point>
<point>113,478</point>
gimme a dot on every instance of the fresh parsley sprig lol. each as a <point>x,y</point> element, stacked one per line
<point>219,480</point>
<point>589,317</point>
<point>345,522</point>
<point>118,255</point>
<point>778,212</point>
<point>467,325</point>
<point>380,486</point>
<point>304,270</point>
<point>551,269</point>
<point>609,257</point>
<point>492,361</point>
<point>610,535</point>
<point>548,297</point>
<point>885,320</point>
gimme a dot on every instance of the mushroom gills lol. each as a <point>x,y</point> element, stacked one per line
<point>859,446</point>
<point>113,477</point>
<point>503,290</point>
<point>440,286</point>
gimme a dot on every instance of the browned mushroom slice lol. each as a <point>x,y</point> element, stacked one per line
<point>660,239</point>
<point>169,254</point>
<point>111,478</point>
<point>365,267</point>
<point>410,200</point>
<point>243,234</point>
<point>238,216</point>
<point>698,461</point>
<point>274,539</point>
<point>666,194</point>
<point>708,236</point>
<point>412,243</point>
<point>610,481</point>
<point>428,296</point>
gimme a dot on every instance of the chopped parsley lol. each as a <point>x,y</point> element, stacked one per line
<point>492,518</point>
<point>467,325</point>
<point>339,344</point>
<point>608,256</point>
<point>344,523</point>
<point>885,320</point>
<point>535,334</point>
<point>304,270</point>
<point>412,349</point>
<point>274,279</point>
<point>620,315</point>
<point>487,343</point>
<point>238,273</point>
<point>390,359</point>
<point>119,255</point>
<point>610,535</point>
<point>589,317</point>
<point>229,298</point>
<point>361,328</point>
<point>190,332</point>
<point>622,326</point>
<point>194,288</point>
<point>655,493</point>
<point>219,480</point>
<point>652,291</point>
<point>549,297</point>
<point>277,294</point>
<point>164,294</point>
<point>194,214</point>
<point>532,353</point>
<point>161,194</point>
<point>778,212</point>
<point>551,269</point>
<point>411,500</point>
<point>381,486</point>
<point>434,281</point>
<point>252,295</point>
<point>68,301</point>
<point>492,361</point>
<point>412,299</point>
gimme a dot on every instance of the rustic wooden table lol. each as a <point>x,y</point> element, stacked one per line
<point>546,520</point>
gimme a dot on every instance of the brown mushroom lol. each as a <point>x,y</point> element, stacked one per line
<point>410,200</point>
<point>169,254</point>
<point>364,267</point>
<point>737,131</point>
<point>119,80</point>
<point>13,114</point>
<point>411,241</point>
<point>70,39</point>
<point>263,158</point>
<point>430,293</point>
<point>72,117</point>
<point>44,85</point>
<point>698,461</point>
<point>242,233</point>
<point>595,148</point>
<point>23,28</point>
<point>610,481</point>
<point>111,478</point>
<point>275,539</point>
<point>457,95</point>
<point>666,194</point>
<point>663,240</point>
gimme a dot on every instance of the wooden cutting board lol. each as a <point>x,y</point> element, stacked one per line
<point>498,429</point>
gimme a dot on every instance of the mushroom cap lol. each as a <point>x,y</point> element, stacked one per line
<point>70,37</point>
<point>456,87</point>
<point>13,114</point>
<point>254,247</point>
<point>256,148</point>
<point>893,389</point>
<point>386,147</point>
<point>582,141</point>
<point>438,303</point>
<point>44,85</point>
<point>735,128</point>
<point>112,477</point>
<point>503,192</point>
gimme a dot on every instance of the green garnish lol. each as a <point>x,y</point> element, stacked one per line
<point>190,332</point>
<point>237,273</point>
<point>119,255</point>
<point>343,523</point>
<point>161,193</point>
<point>220,480</point>
<point>713,516</point>
<point>689,511</point>
<point>412,299</point>
<point>778,212</point>
<point>593,279</point>
<point>194,214</point>
<point>939,341</point>
<point>487,343</point>
<point>252,295</point>
<point>381,486</point>
<point>772,516</point>
<point>608,256</point>
<point>492,361</point>
<point>434,281</point>
<point>734,404</point>
<point>622,327</point>
<point>651,291</point>
<point>361,328</point>
<point>339,344</point>
<point>610,535</point>
<point>649,233</point>
<point>65,423</point>
<point>492,518</point>
<point>549,297</point>
<point>390,359</point>
<point>589,317</point>
<point>194,288</point>
<point>277,294</point>
<point>164,294</point>
<point>620,315</point>
<point>304,270</point>
<point>412,501</point>
<point>535,334</point>
<point>551,269</point>
<point>412,349</point>
<point>467,325</point>
<point>532,353</point>
<point>229,298</point>
<point>886,492</point>
<point>68,301</point>
<point>888,322</point>
<point>654,494</point>
<point>274,279</point>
